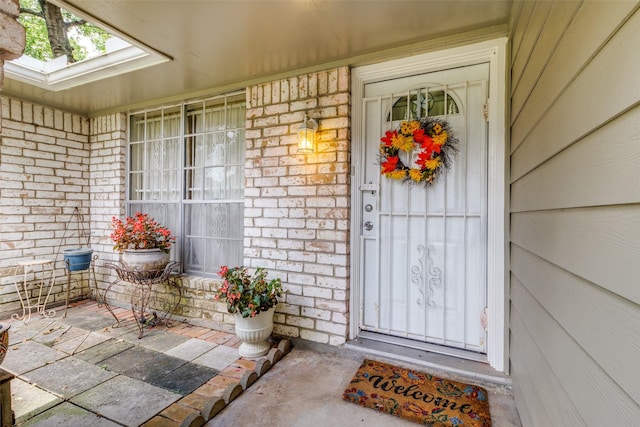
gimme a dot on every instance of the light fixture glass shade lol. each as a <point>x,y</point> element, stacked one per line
<point>307,136</point>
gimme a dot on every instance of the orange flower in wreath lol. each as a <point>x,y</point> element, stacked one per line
<point>429,140</point>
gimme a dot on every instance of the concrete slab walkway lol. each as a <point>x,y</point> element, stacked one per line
<point>305,390</point>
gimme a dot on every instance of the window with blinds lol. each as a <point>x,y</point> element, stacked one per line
<point>185,169</point>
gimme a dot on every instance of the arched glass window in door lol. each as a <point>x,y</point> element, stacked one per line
<point>423,103</point>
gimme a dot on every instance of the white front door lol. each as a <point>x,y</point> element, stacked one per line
<point>424,249</point>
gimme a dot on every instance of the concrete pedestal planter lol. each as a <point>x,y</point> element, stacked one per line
<point>254,332</point>
<point>255,297</point>
<point>144,260</point>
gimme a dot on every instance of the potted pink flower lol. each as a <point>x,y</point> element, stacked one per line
<point>144,243</point>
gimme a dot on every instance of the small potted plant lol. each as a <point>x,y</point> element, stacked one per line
<point>78,259</point>
<point>252,299</point>
<point>144,243</point>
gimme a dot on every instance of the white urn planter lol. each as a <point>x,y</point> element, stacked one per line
<point>254,332</point>
<point>145,260</point>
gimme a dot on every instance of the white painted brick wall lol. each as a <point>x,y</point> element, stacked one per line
<point>305,195</point>
<point>107,182</point>
<point>44,176</point>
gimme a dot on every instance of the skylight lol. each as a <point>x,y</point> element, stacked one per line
<point>122,54</point>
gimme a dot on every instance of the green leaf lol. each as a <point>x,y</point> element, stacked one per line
<point>37,36</point>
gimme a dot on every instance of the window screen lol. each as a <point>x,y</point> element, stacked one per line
<point>185,169</point>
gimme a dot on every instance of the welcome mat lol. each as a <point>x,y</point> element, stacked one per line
<point>419,397</point>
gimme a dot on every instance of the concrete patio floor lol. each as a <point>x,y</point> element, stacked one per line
<point>305,390</point>
<point>80,371</point>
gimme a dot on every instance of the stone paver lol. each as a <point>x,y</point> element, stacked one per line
<point>191,349</point>
<point>129,359</point>
<point>125,400</point>
<point>28,355</point>
<point>155,369</point>
<point>172,376</point>
<point>51,334</point>
<point>68,377</point>
<point>217,337</point>
<point>156,339</point>
<point>90,321</point>
<point>67,415</point>
<point>103,351</point>
<point>185,379</point>
<point>218,358</point>
<point>92,340</point>
<point>21,331</point>
<point>28,400</point>
<point>120,331</point>
<point>80,342</point>
<point>71,340</point>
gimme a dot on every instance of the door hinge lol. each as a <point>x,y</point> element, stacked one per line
<point>485,110</point>
<point>484,319</point>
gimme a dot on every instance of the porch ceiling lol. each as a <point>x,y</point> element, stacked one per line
<point>224,44</point>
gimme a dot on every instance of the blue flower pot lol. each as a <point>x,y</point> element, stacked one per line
<point>77,259</point>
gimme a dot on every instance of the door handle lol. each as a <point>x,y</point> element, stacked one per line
<point>368,225</point>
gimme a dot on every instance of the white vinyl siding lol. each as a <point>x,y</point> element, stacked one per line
<point>575,212</point>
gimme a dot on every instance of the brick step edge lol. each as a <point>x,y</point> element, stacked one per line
<point>233,390</point>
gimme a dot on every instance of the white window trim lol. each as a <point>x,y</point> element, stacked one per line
<point>495,53</point>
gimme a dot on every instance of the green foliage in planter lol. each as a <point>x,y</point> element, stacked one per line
<point>245,293</point>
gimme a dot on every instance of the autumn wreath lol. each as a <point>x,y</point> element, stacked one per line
<point>418,151</point>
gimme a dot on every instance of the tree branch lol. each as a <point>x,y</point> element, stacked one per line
<point>33,12</point>
<point>74,24</point>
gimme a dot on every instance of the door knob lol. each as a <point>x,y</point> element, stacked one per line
<point>368,225</point>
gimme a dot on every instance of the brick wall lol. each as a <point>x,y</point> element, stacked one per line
<point>107,177</point>
<point>44,177</point>
<point>297,206</point>
<point>107,193</point>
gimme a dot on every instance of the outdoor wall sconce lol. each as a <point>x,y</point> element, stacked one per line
<point>307,135</point>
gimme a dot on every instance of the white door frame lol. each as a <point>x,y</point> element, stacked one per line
<point>495,53</point>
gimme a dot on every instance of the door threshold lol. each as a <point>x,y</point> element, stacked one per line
<point>457,366</point>
<point>425,346</point>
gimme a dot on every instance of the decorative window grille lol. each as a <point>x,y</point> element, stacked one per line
<point>185,169</point>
